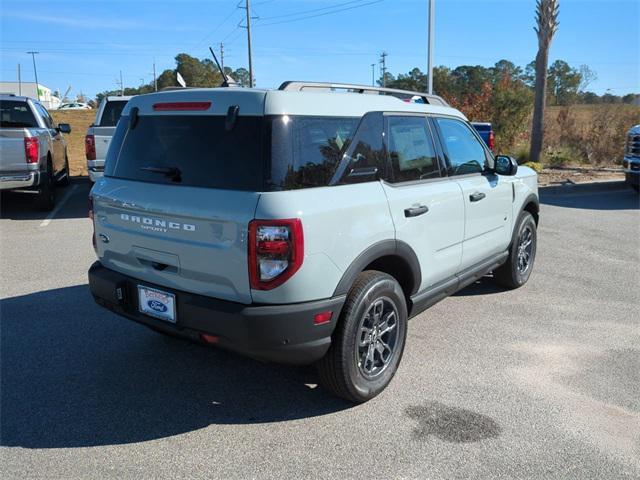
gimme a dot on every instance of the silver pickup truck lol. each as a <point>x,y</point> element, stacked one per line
<point>33,152</point>
<point>99,134</point>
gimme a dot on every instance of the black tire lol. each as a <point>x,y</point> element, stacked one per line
<point>343,369</point>
<point>46,197</point>
<point>66,179</point>
<point>513,273</point>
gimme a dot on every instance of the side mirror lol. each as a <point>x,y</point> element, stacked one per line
<point>506,165</point>
<point>64,128</point>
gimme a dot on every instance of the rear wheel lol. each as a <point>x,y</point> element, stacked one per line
<point>516,270</point>
<point>46,197</point>
<point>369,340</point>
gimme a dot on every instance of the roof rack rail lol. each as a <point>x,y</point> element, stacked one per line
<point>394,92</point>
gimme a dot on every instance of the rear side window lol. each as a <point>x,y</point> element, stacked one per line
<point>411,149</point>
<point>305,151</point>
<point>15,114</point>
<point>189,150</point>
<point>111,113</point>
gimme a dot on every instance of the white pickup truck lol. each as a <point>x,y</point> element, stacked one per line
<point>100,132</point>
<point>33,152</point>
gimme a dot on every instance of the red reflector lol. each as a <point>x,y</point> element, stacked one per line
<point>322,317</point>
<point>31,149</point>
<point>492,140</point>
<point>278,247</point>
<point>211,339</point>
<point>169,106</point>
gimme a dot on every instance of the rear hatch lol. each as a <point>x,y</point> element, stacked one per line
<point>180,189</point>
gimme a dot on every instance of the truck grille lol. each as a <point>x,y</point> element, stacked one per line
<point>633,145</point>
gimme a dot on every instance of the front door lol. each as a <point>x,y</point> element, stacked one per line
<point>487,196</point>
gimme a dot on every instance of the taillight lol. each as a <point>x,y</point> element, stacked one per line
<point>90,147</point>
<point>31,149</point>
<point>93,240</point>
<point>492,140</point>
<point>276,251</point>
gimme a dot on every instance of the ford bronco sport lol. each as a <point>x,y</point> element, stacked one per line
<point>305,224</point>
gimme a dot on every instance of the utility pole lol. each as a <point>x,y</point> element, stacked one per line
<point>155,80</point>
<point>222,56</point>
<point>35,72</point>
<point>432,8</point>
<point>19,81</point>
<point>383,62</point>
<point>373,74</point>
<point>248,8</point>
<point>120,83</point>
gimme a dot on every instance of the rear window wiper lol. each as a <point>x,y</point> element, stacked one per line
<point>172,172</point>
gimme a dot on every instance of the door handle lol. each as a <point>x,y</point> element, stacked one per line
<point>477,196</point>
<point>415,211</point>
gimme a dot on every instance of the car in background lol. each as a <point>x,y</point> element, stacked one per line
<point>74,106</point>
<point>33,152</point>
<point>485,130</point>
<point>631,162</point>
<point>99,134</point>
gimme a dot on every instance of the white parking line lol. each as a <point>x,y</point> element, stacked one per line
<point>60,204</point>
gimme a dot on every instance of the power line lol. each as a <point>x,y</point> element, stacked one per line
<point>304,12</point>
<point>320,14</point>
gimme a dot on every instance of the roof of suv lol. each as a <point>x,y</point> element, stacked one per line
<point>257,102</point>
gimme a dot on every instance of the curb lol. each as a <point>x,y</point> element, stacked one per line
<point>586,187</point>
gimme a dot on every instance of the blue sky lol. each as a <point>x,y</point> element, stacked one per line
<point>84,44</point>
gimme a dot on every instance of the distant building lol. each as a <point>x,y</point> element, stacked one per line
<point>28,89</point>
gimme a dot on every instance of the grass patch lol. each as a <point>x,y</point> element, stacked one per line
<point>79,121</point>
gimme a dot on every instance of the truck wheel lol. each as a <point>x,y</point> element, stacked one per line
<point>66,180</point>
<point>46,198</point>
<point>516,270</point>
<point>367,345</point>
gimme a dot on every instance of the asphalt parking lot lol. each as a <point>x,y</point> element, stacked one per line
<point>542,382</point>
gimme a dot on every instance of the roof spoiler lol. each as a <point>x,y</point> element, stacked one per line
<point>298,86</point>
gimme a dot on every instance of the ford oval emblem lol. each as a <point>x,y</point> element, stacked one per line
<point>157,306</point>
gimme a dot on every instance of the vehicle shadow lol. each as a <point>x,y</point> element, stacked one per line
<point>579,197</point>
<point>483,286</point>
<point>74,375</point>
<point>21,206</point>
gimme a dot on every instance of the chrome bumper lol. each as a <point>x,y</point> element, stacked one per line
<point>10,181</point>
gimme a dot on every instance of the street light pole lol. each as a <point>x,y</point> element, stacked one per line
<point>35,72</point>
<point>373,74</point>
<point>430,46</point>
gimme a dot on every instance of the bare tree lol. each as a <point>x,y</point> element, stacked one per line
<point>546,26</point>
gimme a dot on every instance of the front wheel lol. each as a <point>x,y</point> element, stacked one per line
<point>46,197</point>
<point>517,269</point>
<point>66,179</point>
<point>369,340</point>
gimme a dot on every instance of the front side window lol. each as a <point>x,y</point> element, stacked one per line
<point>411,150</point>
<point>464,152</point>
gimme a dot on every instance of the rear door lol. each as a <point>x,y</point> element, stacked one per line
<point>178,195</point>
<point>427,208</point>
<point>487,196</point>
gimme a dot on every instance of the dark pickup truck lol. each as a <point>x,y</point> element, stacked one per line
<point>486,132</point>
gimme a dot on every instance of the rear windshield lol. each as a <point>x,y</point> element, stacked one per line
<point>257,154</point>
<point>111,113</point>
<point>15,114</point>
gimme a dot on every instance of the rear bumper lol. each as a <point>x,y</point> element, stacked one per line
<point>95,173</point>
<point>278,333</point>
<point>9,181</point>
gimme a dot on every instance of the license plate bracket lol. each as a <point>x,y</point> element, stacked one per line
<point>157,303</point>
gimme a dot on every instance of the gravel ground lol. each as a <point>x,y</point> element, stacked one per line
<point>542,382</point>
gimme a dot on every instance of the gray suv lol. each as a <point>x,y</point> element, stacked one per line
<point>305,224</point>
